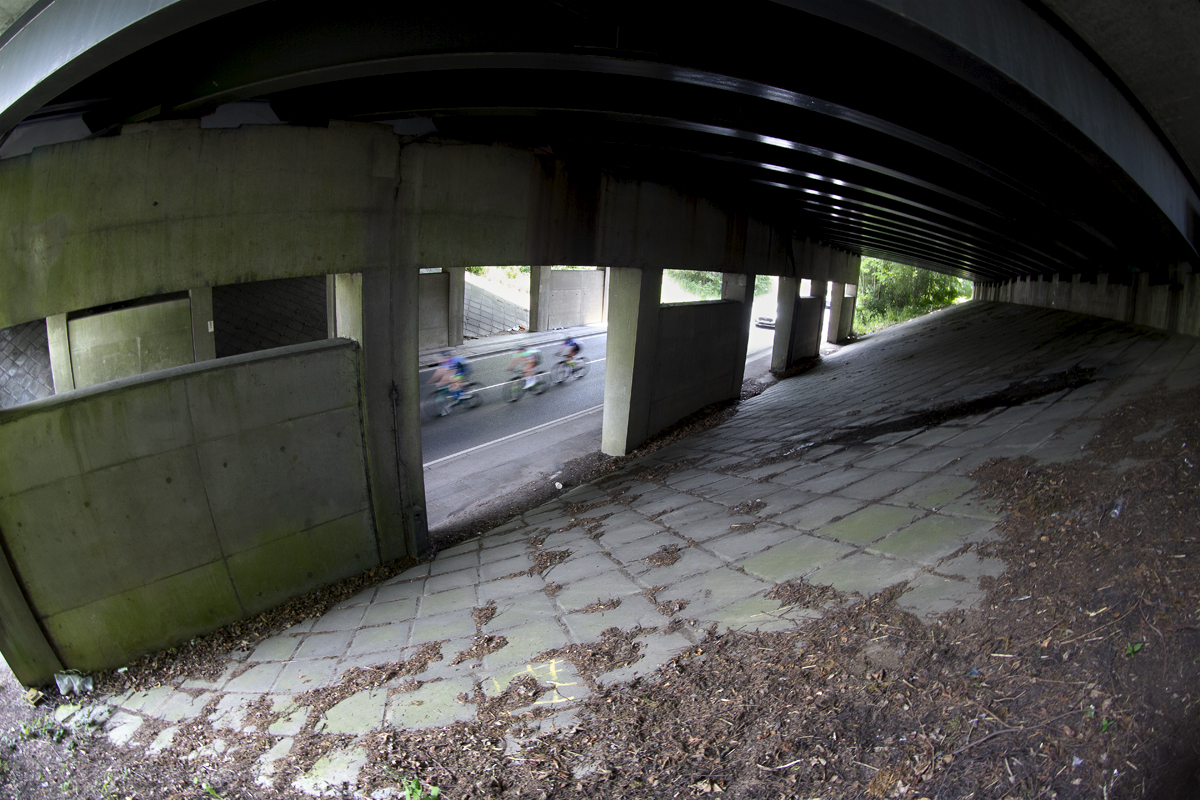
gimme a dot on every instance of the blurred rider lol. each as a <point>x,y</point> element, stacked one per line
<point>569,349</point>
<point>527,361</point>
<point>452,373</point>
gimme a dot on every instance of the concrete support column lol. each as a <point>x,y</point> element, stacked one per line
<point>837,291</point>
<point>787,304</point>
<point>797,326</point>
<point>607,283</point>
<point>345,305</point>
<point>60,353</point>
<point>849,303</point>
<point>740,288</point>
<point>539,298</point>
<point>390,333</point>
<point>841,311</point>
<point>204,340</point>
<point>331,306</point>
<point>635,295</point>
<point>456,300</point>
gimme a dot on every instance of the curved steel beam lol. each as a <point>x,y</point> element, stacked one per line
<point>1005,48</point>
<point>69,40</point>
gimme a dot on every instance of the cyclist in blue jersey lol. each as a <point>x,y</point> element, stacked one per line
<point>452,374</point>
<point>568,350</point>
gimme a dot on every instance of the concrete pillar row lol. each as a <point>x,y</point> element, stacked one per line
<point>797,324</point>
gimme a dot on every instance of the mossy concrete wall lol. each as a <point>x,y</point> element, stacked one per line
<point>150,509</point>
<point>130,341</point>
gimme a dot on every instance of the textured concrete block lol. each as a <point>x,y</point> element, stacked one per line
<point>794,558</point>
<point>358,714</point>
<point>929,540</point>
<point>868,525</point>
<point>433,705</point>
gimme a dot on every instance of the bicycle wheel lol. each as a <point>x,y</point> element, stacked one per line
<point>581,366</point>
<point>559,372</point>
<point>429,405</point>
<point>470,396</point>
<point>539,383</point>
<point>516,387</point>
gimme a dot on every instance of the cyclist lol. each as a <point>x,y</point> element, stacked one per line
<point>568,350</point>
<point>451,373</point>
<point>527,361</point>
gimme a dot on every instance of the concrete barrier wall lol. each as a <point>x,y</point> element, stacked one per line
<point>150,509</point>
<point>1172,307</point>
<point>696,359</point>
<point>576,298</point>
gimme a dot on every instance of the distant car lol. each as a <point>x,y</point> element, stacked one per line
<point>765,321</point>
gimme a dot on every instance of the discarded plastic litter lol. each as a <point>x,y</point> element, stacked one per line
<point>69,683</point>
<point>557,485</point>
<point>1117,508</point>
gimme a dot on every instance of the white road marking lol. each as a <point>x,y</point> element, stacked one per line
<point>549,424</point>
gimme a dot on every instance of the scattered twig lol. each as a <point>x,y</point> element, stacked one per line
<point>1003,731</point>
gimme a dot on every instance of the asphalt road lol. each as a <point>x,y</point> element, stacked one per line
<point>475,459</point>
<point>495,418</point>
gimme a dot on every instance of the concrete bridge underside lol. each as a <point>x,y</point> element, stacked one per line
<point>168,210</point>
<point>1007,142</point>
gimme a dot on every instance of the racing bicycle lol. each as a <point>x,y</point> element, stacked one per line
<point>516,385</point>
<point>564,369</point>
<point>443,402</point>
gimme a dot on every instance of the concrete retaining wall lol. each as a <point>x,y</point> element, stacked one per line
<point>130,341</point>
<point>576,298</point>
<point>150,509</point>
<point>1172,307</point>
<point>696,360</point>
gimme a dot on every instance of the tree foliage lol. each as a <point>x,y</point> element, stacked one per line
<point>889,293</point>
<point>707,285</point>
